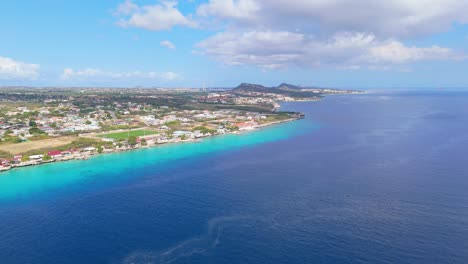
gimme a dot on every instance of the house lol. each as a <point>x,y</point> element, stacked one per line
<point>36,157</point>
<point>55,153</point>
<point>245,125</point>
<point>69,152</point>
<point>90,150</point>
<point>180,133</point>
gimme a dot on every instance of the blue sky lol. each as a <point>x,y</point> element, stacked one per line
<point>362,43</point>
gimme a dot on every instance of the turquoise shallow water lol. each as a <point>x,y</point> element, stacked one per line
<point>27,182</point>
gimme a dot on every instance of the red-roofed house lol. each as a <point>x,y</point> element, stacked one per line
<point>55,153</point>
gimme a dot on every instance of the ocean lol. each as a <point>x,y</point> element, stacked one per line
<point>374,178</point>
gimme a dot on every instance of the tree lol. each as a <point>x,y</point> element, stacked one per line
<point>132,141</point>
<point>203,130</point>
<point>88,122</point>
<point>183,137</point>
<point>24,158</point>
<point>100,149</point>
<point>16,140</point>
<point>46,158</point>
<point>143,142</point>
<point>32,123</point>
<point>35,130</point>
<point>232,128</point>
<point>53,125</point>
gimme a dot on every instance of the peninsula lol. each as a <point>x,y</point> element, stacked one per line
<point>50,124</point>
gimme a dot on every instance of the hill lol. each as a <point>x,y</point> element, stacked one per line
<point>283,89</point>
<point>290,90</point>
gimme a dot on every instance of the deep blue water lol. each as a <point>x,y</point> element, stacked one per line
<point>383,179</point>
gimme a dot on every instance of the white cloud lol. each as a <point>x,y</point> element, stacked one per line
<point>167,44</point>
<point>339,33</point>
<point>310,33</point>
<point>170,76</point>
<point>126,8</point>
<point>388,19</point>
<point>271,49</point>
<point>396,52</point>
<point>98,74</point>
<point>238,9</point>
<point>163,16</point>
<point>11,69</point>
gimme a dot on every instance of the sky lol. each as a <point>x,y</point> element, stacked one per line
<point>221,43</point>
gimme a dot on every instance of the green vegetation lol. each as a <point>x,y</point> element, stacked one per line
<point>36,131</point>
<point>172,123</point>
<point>204,130</point>
<point>39,137</point>
<point>232,128</point>
<point>175,125</point>
<point>276,117</point>
<point>132,141</point>
<point>215,107</point>
<point>11,139</point>
<point>32,123</point>
<point>5,155</point>
<point>127,134</point>
<point>105,127</point>
<point>81,143</point>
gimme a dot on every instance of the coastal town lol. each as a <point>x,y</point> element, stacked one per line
<point>43,125</point>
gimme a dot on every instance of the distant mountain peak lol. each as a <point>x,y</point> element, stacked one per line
<point>288,86</point>
<point>250,85</point>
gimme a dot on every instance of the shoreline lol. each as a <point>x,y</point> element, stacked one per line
<point>87,155</point>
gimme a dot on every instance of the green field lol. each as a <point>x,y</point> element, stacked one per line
<point>126,134</point>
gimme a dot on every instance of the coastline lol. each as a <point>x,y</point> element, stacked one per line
<point>88,154</point>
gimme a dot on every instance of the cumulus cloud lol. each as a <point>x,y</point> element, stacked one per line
<point>126,8</point>
<point>280,49</point>
<point>309,33</point>
<point>397,18</point>
<point>340,33</point>
<point>93,73</point>
<point>167,44</point>
<point>11,69</point>
<point>396,52</point>
<point>237,9</point>
<point>163,16</point>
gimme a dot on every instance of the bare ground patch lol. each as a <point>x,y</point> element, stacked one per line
<point>39,144</point>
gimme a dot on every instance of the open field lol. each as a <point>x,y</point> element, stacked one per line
<point>126,134</point>
<point>38,144</point>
